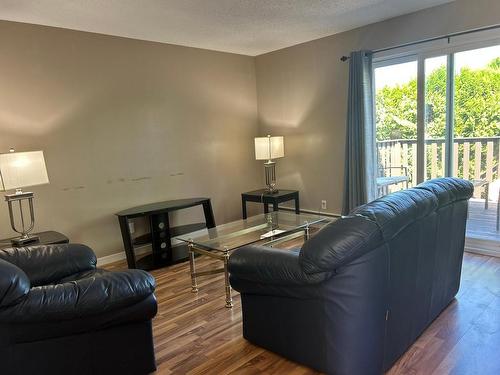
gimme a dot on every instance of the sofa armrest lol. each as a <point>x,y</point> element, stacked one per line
<point>14,284</point>
<point>78,299</point>
<point>46,264</point>
<point>265,265</point>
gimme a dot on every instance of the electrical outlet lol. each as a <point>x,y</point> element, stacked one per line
<point>323,205</point>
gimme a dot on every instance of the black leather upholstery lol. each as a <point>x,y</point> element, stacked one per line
<point>267,265</point>
<point>54,303</point>
<point>364,288</point>
<point>338,244</point>
<point>14,284</point>
<point>46,264</point>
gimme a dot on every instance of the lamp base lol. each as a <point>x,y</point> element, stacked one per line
<point>272,190</point>
<point>23,240</point>
<point>270,169</point>
<point>19,196</point>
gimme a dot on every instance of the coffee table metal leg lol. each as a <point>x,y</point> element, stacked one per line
<point>229,299</point>
<point>307,233</point>
<point>194,286</point>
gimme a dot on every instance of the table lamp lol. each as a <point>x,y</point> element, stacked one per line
<point>269,148</point>
<point>18,170</point>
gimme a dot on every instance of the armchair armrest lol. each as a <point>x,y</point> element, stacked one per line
<point>266,265</point>
<point>45,264</point>
<point>14,284</point>
<point>78,299</point>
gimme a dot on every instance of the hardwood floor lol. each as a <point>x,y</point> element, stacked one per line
<point>196,334</point>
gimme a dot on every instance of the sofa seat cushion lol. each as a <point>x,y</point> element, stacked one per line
<point>96,272</point>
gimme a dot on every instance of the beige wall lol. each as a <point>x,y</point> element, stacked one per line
<point>125,122</point>
<point>302,93</point>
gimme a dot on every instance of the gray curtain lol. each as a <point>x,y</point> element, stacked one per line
<point>360,157</point>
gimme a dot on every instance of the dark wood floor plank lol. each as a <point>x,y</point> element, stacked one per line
<point>195,334</point>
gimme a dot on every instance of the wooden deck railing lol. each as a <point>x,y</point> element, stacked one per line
<point>473,158</point>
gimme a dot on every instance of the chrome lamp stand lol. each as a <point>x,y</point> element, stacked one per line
<point>24,231</point>
<point>270,169</point>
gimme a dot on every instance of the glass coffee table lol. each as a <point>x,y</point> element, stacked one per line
<point>266,229</point>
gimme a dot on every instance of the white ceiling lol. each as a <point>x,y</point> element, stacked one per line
<point>249,27</point>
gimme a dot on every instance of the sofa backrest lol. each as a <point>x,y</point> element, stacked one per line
<point>44,264</point>
<point>394,212</point>
<point>448,190</point>
<point>379,221</point>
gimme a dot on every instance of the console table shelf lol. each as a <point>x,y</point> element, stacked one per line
<point>147,262</point>
<point>146,239</point>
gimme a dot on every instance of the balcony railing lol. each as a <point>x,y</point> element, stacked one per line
<point>473,158</point>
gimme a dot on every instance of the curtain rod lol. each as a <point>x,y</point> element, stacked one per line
<point>447,36</point>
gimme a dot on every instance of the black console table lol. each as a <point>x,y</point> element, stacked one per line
<point>160,234</point>
<point>44,238</point>
<point>263,196</point>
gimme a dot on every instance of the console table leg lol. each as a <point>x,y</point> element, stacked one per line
<point>229,299</point>
<point>209,214</point>
<point>127,242</point>
<point>244,208</point>
<point>192,267</point>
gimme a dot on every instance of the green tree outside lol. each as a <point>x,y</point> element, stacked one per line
<point>476,110</point>
<point>477,105</point>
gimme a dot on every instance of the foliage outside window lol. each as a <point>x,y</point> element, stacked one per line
<point>476,115</point>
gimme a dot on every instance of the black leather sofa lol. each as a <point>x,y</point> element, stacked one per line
<point>59,314</point>
<point>359,293</point>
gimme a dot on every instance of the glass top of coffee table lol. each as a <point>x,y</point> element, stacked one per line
<point>271,226</point>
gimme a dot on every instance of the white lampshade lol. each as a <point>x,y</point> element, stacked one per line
<point>21,169</point>
<point>267,148</point>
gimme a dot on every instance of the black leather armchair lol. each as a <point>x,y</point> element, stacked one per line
<point>360,292</point>
<point>59,314</point>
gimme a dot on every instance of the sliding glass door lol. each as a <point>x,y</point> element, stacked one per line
<point>396,124</point>
<point>439,115</point>
<point>476,135</point>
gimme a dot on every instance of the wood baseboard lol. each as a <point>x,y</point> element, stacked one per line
<point>482,247</point>
<point>102,261</point>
